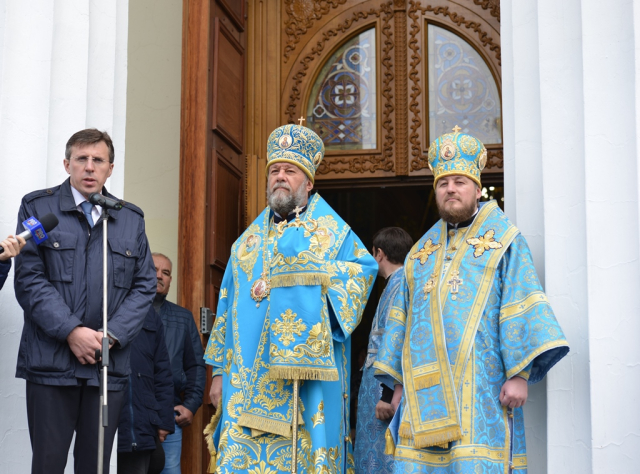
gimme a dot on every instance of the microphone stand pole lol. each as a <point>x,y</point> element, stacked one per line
<point>103,411</point>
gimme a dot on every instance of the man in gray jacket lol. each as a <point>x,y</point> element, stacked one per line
<point>59,286</point>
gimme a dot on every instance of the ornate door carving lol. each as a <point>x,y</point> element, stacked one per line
<point>312,31</point>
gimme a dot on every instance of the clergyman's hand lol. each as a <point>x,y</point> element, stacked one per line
<point>514,392</point>
<point>215,392</point>
<point>84,342</point>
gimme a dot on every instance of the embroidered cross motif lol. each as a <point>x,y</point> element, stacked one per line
<point>455,282</point>
<point>288,327</point>
<point>423,254</point>
<point>429,285</point>
<point>485,242</point>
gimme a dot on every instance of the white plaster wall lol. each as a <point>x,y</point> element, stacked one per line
<point>581,101</point>
<point>153,121</point>
<point>63,68</point>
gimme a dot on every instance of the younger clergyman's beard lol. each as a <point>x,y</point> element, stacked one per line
<point>283,203</point>
<point>457,215</point>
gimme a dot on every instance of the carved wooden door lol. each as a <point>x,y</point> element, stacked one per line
<point>379,80</point>
<point>212,170</point>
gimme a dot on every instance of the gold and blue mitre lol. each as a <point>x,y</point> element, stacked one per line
<point>457,154</point>
<point>297,145</point>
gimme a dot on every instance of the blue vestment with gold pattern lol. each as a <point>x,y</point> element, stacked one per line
<point>469,315</point>
<point>291,296</point>
<point>369,453</point>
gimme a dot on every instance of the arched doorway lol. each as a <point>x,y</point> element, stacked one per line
<point>377,79</point>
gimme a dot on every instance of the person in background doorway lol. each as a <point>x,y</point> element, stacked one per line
<point>147,413</point>
<point>377,402</point>
<point>187,365</point>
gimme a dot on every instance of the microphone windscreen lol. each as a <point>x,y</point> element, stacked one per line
<point>49,221</point>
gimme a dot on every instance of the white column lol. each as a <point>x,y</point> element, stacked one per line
<point>586,102</point>
<point>523,176</point>
<point>613,269</point>
<point>563,164</point>
<point>63,67</point>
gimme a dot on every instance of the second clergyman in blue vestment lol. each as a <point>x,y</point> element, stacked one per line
<point>294,290</point>
<point>377,402</point>
<point>470,326</point>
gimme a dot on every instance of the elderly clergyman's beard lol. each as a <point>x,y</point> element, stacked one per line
<point>284,203</point>
<point>457,215</point>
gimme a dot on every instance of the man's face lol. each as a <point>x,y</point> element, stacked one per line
<point>457,198</point>
<point>287,188</point>
<point>163,273</point>
<point>89,167</point>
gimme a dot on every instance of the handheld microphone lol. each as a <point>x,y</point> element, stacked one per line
<point>98,199</point>
<point>38,229</point>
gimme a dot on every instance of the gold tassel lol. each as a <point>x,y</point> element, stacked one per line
<point>427,380</point>
<point>303,373</point>
<point>208,432</point>
<point>297,279</point>
<point>389,445</point>
<point>212,465</point>
<point>405,430</point>
<point>441,438</point>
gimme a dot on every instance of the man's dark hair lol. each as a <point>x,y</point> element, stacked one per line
<point>89,136</point>
<point>395,242</point>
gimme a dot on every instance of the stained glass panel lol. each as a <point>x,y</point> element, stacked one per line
<point>462,90</point>
<point>342,104</point>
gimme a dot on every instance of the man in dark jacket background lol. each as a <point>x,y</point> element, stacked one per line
<point>147,414</point>
<point>186,352</point>
<point>59,286</point>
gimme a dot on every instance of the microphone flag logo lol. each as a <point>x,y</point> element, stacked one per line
<point>37,231</point>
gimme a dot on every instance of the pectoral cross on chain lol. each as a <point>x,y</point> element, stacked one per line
<point>455,283</point>
<point>298,210</point>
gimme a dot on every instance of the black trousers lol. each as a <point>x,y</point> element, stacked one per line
<point>134,462</point>
<point>142,462</point>
<point>55,412</point>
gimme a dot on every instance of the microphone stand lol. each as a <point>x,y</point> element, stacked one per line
<point>104,409</point>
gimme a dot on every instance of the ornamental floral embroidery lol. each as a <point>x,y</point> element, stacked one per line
<point>288,327</point>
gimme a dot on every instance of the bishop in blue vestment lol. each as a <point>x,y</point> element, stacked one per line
<point>469,329</point>
<point>294,289</point>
